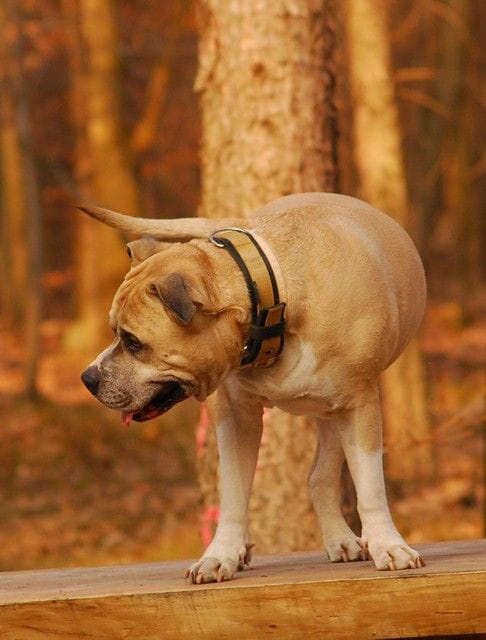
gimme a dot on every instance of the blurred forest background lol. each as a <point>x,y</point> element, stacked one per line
<point>98,102</point>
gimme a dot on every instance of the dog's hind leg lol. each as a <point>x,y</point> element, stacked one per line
<point>361,434</point>
<point>340,542</point>
<point>239,432</point>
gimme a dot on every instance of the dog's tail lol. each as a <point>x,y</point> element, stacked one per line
<point>172,230</point>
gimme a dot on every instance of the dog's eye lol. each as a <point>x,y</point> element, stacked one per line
<point>131,342</point>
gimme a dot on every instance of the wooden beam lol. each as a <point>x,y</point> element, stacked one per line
<point>295,596</point>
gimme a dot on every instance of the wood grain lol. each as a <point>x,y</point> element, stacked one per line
<point>299,595</point>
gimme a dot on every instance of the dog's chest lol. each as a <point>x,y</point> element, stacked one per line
<point>302,388</point>
<point>305,405</point>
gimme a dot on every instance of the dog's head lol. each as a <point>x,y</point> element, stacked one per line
<point>173,339</point>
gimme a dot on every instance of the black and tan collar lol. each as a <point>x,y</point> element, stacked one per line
<point>266,335</point>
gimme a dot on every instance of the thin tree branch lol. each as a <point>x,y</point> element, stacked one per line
<point>424,100</point>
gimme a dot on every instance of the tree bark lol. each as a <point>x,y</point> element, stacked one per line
<point>22,195</point>
<point>14,249</point>
<point>378,156</point>
<point>464,189</point>
<point>266,80</point>
<point>14,254</point>
<point>103,169</point>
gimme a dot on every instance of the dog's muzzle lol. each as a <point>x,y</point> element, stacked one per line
<point>170,393</point>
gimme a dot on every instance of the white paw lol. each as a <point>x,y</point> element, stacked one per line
<point>219,564</point>
<point>394,554</point>
<point>345,548</point>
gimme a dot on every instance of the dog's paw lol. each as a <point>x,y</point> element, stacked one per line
<point>346,548</point>
<point>217,565</point>
<point>394,554</point>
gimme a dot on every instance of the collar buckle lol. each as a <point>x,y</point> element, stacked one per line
<point>266,337</point>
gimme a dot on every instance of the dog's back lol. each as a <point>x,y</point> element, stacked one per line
<point>361,256</point>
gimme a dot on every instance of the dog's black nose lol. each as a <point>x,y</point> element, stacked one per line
<point>91,379</point>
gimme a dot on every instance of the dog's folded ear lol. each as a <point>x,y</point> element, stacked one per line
<point>180,298</point>
<point>141,249</point>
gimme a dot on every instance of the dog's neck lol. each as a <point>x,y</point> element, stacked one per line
<point>265,333</point>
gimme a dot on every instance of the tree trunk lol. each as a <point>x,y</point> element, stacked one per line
<point>14,254</point>
<point>266,79</point>
<point>378,156</point>
<point>34,292</point>
<point>22,197</point>
<point>14,248</point>
<point>463,193</point>
<point>102,169</point>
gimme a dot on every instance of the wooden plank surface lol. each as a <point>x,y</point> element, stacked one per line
<point>299,595</point>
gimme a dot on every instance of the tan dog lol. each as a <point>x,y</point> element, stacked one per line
<point>355,291</point>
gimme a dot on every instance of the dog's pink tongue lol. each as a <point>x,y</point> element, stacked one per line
<point>127,417</point>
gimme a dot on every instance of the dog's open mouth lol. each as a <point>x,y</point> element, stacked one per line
<point>170,394</point>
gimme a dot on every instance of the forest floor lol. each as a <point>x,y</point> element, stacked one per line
<point>79,488</point>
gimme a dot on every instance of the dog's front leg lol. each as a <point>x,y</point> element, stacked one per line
<point>361,434</point>
<point>239,432</point>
